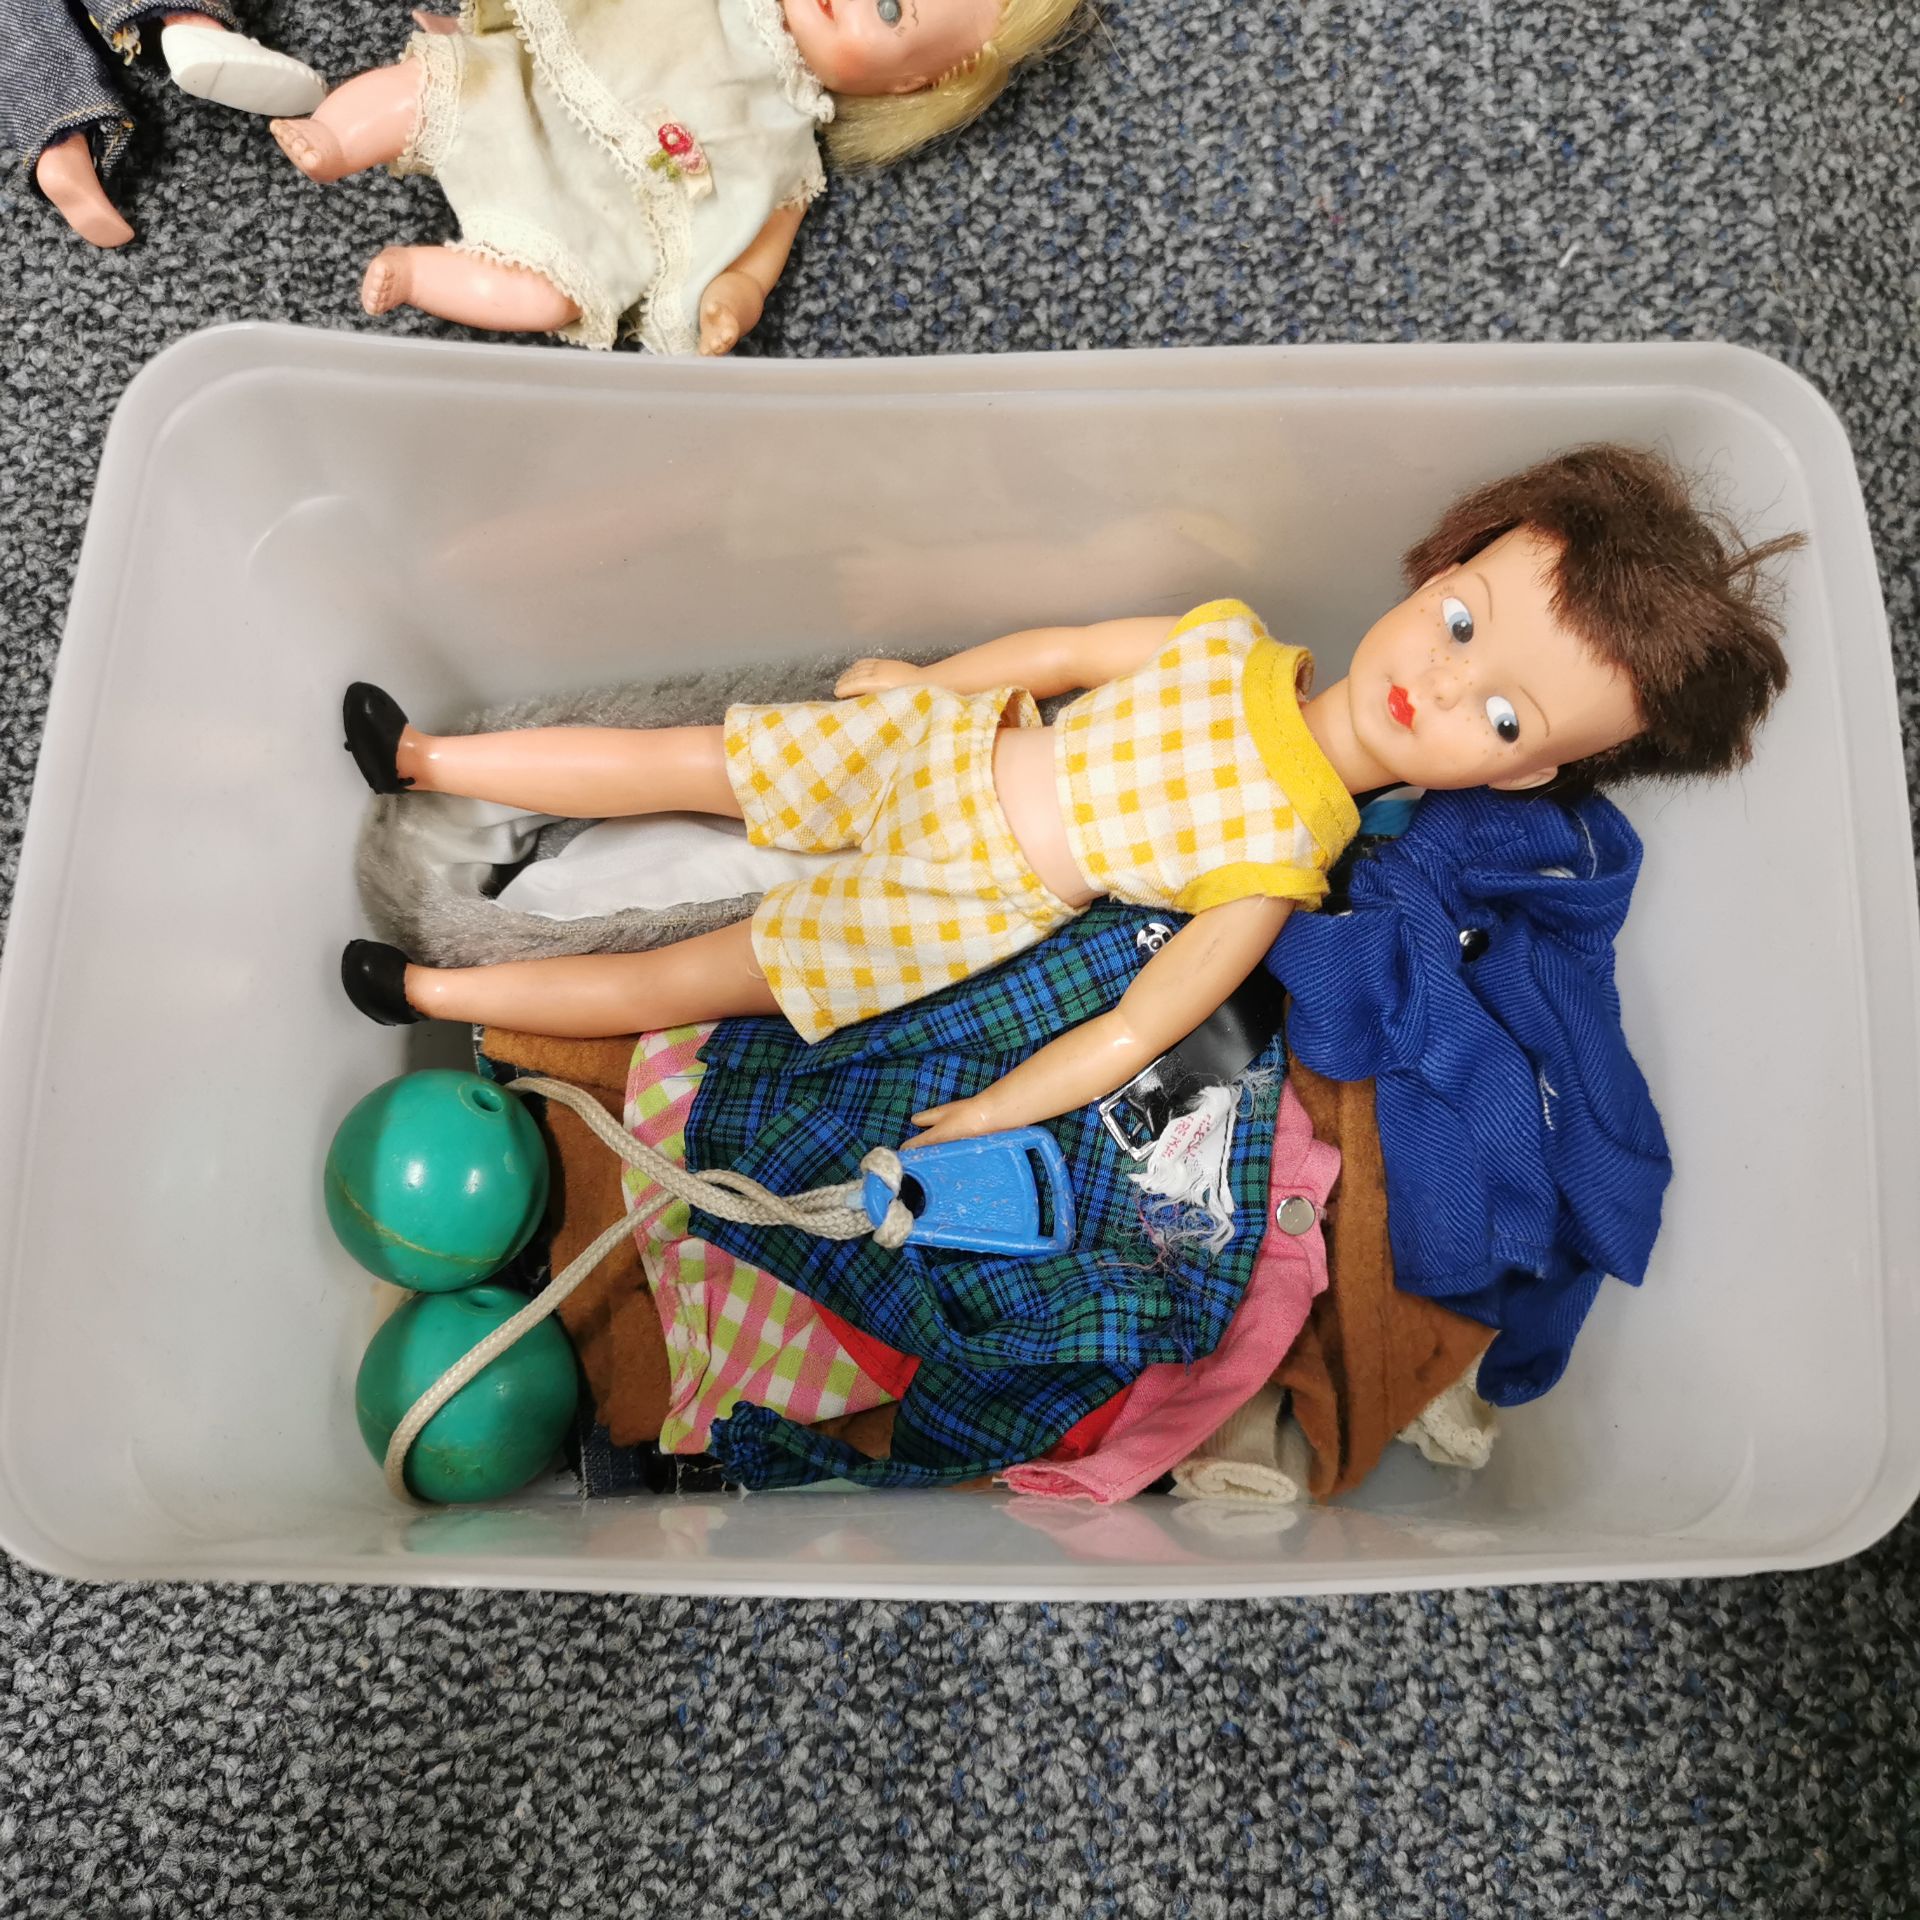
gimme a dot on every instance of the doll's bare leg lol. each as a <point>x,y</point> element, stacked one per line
<point>595,995</point>
<point>366,122</point>
<point>576,772</point>
<point>465,288</point>
<point>66,175</point>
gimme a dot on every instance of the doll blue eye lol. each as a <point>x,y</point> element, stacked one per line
<point>1502,718</point>
<point>1459,620</point>
<point>889,11</point>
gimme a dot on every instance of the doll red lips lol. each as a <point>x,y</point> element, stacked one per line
<point>1400,706</point>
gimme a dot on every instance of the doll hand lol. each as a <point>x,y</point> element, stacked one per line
<point>729,309</point>
<point>435,22</point>
<point>874,676</point>
<point>959,1120</point>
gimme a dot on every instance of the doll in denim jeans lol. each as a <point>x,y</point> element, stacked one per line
<point>63,117</point>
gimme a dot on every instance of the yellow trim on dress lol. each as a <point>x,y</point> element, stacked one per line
<point>1275,678</point>
<point>1251,879</point>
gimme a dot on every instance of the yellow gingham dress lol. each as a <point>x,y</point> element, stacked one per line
<point>1195,781</point>
<point>934,886</point>
<point>1186,784</point>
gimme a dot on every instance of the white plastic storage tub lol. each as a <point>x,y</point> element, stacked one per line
<point>280,512</point>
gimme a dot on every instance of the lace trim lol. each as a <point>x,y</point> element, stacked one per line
<point>626,142</point>
<point>809,187</point>
<point>511,243</point>
<point>439,119</point>
<point>803,91</point>
<point>659,333</point>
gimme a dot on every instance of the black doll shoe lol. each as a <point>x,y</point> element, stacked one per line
<point>375,977</point>
<point>374,724</point>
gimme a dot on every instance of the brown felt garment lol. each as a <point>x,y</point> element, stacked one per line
<point>611,1318</point>
<point>1370,1357</point>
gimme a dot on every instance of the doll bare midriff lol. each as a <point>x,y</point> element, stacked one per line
<point>1028,789</point>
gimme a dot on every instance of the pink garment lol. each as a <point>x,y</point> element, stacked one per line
<point>1174,1407</point>
<point>733,1332</point>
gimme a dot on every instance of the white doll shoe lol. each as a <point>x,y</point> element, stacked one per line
<point>234,71</point>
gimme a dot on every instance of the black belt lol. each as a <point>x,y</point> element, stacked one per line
<point>1214,1054</point>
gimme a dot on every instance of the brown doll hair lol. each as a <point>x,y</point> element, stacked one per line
<point>876,130</point>
<point>1665,592</point>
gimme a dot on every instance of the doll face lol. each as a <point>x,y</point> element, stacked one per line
<point>1473,681</point>
<point>888,46</point>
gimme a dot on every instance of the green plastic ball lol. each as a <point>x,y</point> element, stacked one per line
<point>501,1428</point>
<point>436,1180</point>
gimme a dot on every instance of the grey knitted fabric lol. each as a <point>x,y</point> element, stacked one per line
<point>1306,170</point>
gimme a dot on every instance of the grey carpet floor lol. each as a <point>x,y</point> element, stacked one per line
<point>1305,170</point>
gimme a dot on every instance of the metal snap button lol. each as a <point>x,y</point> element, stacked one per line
<point>1296,1214</point>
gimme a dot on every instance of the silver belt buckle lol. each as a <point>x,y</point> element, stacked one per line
<point>1126,1116</point>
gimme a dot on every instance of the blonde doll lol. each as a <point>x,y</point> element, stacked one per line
<point>1573,624</point>
<point>642,166</point>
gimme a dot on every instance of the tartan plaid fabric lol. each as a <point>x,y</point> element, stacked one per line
<point>1013,1351</point>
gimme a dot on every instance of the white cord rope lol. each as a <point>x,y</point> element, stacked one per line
<point>829,1213</point>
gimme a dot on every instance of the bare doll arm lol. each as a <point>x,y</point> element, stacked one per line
<point>1044,660</point>
<point>1182,985</point>
<point>734,300</point>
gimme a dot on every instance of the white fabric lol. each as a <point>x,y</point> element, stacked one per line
<point>469,838</point>
<point>1457,1428</point>
<point>1251,1459</point>
<point>652,861</point>
<point>233,71</point>
<point>1189,1163</point>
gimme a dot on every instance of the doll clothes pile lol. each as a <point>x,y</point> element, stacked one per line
<point>1369,1361</point>
<point>1014,1352</point>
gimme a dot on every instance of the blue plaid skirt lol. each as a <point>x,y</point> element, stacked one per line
<point>1013,1351</point>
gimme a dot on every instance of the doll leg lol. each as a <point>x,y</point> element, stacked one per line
<point>466,288</point>
<point>65,174</point>
<point>577,772</point>
<point>366,122</point>
<point>589,997</point>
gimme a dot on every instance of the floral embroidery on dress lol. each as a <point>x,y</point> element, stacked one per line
<point>681,157</point>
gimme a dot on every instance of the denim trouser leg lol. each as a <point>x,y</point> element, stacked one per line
<point>55,79</point>
<point>116,16</point>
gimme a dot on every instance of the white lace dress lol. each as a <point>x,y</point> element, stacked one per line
<point>628,150</point>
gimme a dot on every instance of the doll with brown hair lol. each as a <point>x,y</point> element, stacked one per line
<point>642,166</point>
<point>1576,623</point>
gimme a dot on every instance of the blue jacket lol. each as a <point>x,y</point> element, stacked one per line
<point>1524,1158</point>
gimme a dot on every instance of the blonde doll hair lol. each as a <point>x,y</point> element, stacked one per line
<point>876,130</point>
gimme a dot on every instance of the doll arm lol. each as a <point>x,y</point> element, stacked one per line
<point>732,304</point>
<point>1044,660</point>
<point>1181,986</point>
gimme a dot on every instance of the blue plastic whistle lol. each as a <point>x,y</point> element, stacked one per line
<point>983,1195</point>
